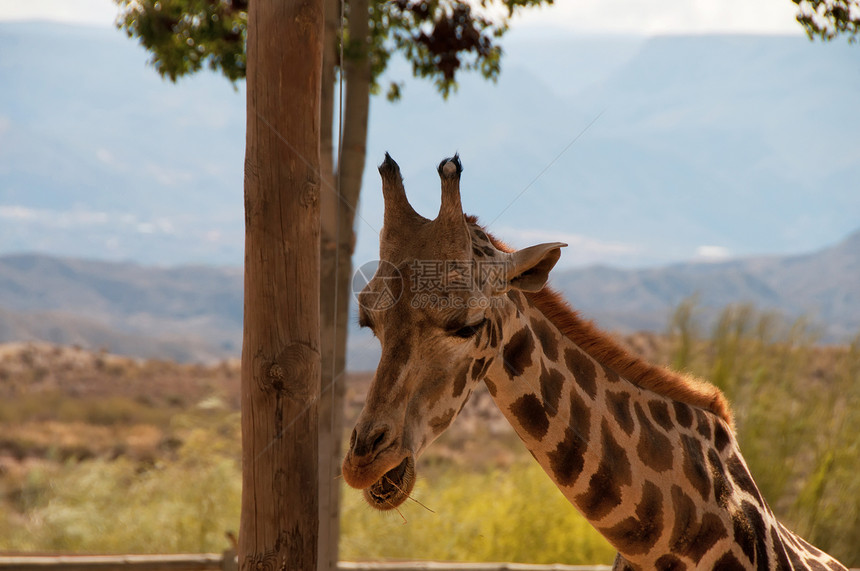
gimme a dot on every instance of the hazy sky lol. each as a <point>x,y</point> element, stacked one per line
<point>619,16</point>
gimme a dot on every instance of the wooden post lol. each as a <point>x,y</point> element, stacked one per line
<point>280,352</point>
<point>338,222</point>
<point>331,387</point>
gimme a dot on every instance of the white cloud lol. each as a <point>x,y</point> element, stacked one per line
<point>615,16</point>
<point>712,253</point>
<point>53,218</point>
<point>82,218</point>
<point>212,236</point>
<point>16,213</point>
<point>164,225</point>
<point>654,17</point>
<point>91,12</point>
<point>157,226</point>
<point>105,156</point>
<point>168,176</point>
<point>581,250</point>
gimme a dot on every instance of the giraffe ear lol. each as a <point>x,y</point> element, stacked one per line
<point>530,266</point>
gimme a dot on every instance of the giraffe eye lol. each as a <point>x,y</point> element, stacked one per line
<point>364,321</point>
<point>469,330</point>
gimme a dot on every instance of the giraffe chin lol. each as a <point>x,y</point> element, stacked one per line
<point>393,488</point>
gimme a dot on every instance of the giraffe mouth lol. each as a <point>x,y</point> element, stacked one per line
<point>393,487</point>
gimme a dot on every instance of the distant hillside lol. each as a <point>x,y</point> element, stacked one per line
<point>823,286</point>
<point>63,328</point>
<point>194,313</point>
<point>187,313</point>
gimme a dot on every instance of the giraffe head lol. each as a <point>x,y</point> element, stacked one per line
<point>435,303</point>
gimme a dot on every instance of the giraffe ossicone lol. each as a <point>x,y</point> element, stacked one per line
<point>450,167</point>
<point>647,455</point>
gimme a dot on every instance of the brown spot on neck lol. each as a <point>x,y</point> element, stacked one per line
<point>741,477</point>
<point>670,562</point>
<point>756,527</point>
<point>441,422</point>
<point>660,413</point>
<point>479,367</point>
<point>683,413</point>
<point>460,378</point>
<point>531,415</point>
<point>619,405</point>
<point>568,458</point>
<point>654,448</point>
<point>547,338</point>
<point>703,425</point>
<point>694,466</point>
<point>637,535</point>
<point>551,385</point>
<point>721,436</point>
<point>728,562</point>
<point>583,370</point>
<point>491,386</point>
<point>606,484</point>
<point>517,353</point>
<point>693,536</point>
<point>722,487</point>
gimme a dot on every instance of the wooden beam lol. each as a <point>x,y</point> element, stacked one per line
<point>281,347</point>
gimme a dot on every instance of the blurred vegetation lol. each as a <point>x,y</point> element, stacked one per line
<point>183,502</point>
<point>437,37</point>
<point>797,413</point>
<point>101,411</point>
<point>827,19</point>
<point>515,514</point>
<point>126,473</point>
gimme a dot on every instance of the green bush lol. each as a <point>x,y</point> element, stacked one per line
<point>119,506</point>
<point>515,515</point>
<point>102,411</point>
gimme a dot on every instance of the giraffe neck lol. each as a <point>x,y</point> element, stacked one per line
<point>662,480</point>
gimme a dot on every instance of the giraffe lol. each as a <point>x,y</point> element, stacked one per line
<point>647,455</point>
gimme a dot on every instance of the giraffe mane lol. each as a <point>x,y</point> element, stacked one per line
<point>609,353</point>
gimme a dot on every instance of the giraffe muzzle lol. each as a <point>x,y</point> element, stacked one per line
<point>386,481</point>
<point>379,465</point>
<point>394,487</point>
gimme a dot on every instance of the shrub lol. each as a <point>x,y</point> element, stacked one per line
<point>120,506</point>
<point>517,515</point>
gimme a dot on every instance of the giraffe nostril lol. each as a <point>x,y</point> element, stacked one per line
<point>368,443</point>
<point>379,440</point>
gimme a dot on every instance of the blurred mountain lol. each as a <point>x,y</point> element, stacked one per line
<point>636,151</point>
<point>194,313</point>
<point>823,287</point>
<point>185,313</point>
<point>68,329</point>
